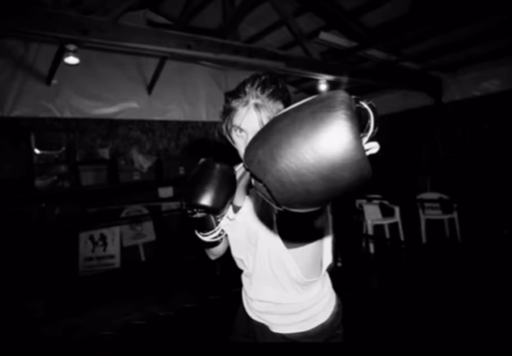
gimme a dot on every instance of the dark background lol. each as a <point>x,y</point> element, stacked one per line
<point>461,146</point>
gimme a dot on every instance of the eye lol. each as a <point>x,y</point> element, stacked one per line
<point>238,131</point>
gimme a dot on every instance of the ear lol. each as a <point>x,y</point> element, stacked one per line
<point>371,147</point>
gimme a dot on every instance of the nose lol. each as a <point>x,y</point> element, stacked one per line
<point>250,136</point>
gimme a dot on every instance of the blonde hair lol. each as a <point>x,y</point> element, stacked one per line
<point>265,93</point>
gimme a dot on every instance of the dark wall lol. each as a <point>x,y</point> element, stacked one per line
<point>42,225</point>
<point>460,149</point>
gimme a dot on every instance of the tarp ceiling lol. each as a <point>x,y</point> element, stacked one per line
<point>108,85</point>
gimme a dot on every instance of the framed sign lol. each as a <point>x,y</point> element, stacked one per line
<point>99,250</point>
<point>137,232</point>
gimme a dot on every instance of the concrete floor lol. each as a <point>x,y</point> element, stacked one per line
<point>443,291</point>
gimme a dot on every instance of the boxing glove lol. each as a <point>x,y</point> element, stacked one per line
<point>302,227</point>
<point>207,197</point>
<point>309,154</point>
<point>366,114</point>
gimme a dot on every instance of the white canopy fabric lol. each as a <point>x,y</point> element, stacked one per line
<point>108,85</point>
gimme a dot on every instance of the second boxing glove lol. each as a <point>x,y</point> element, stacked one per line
<point>208,195</point>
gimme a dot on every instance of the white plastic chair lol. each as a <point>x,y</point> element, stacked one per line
<point>371,207</point>
<point>429,209</point>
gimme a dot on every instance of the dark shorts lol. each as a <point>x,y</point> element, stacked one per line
<point>246,329</point>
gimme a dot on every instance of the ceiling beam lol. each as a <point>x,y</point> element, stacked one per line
<point>156,74</point>
<point>228,9</point>
<point>293,28</point>
<point>185,13</point>
<point>192,11</point>
<point>308,36</point>
<point>440,48</point>
<point>482,57</point>
<point>200,31</point>
<point>115,9</point>
<point>471,55</point>
<point>54,67</point>
<point>336,17</point>
<point>103,34</point>
<point>368,7</point>
<point>274,27</point>
<point>232,24</point>
<point>179,25</point>
<point>410,29</point>
<point>301,11</point>
<point>376,56</point>
<point>464,30</point>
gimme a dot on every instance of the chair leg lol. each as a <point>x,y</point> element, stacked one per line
<point>372,247</point>
<point>457,228</point>
<point>370,228</point>
<point>401,231</point>
<point>386,228</point>
<point>447,227</point>
<point>423,231</point>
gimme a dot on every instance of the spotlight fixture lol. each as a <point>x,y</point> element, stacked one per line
<point>323,85</point>
<point>71,55</point>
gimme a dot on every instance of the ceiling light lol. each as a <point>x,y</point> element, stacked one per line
<point>323,85</point>
<point>71,55</point>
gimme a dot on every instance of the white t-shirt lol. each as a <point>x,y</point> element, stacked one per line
<point>275,292</point>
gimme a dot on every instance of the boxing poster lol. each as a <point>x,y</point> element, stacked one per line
<point>137,232</point>
<point>99,250</point>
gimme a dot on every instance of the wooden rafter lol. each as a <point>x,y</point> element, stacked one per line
<point>363,32</point>
<point>309,36</point>
<point>439,48</point>
<point>504,53</point>
<point>56,62</point>
<point>200,31</point>
<point>367,7</point>
<point>293,27</point>
<point>185,13</point>
<point>242,11</point>
<point>410,29</point>
<point>375,56</point>
<point>336,17</point>
<point>115,9</point>
<point>193,11</point>
<point>103,34</point>
<point>228,8</point>
<point>274,27</point>
<point>356,12</point>
<point>156,74</point>
<point>470,55</point>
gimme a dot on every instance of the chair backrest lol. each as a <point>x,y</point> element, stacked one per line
<point>371,210</point>
<point>430,207</point>
<point>374,197</point>
<point>375,207</point>
<point>432,195</point>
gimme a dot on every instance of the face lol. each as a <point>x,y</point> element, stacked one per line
<point>246,124</point>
